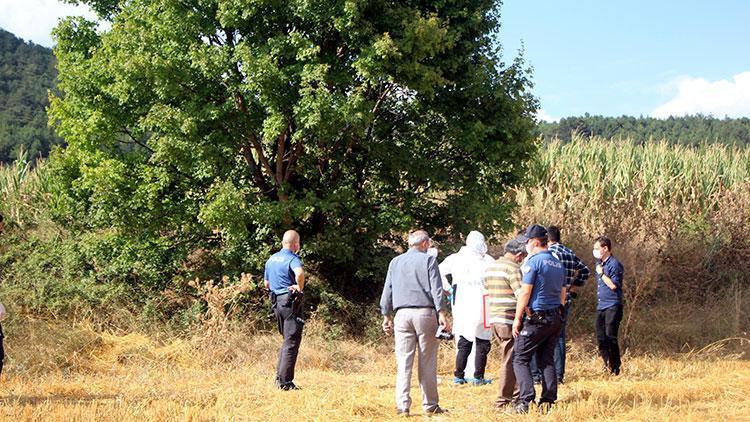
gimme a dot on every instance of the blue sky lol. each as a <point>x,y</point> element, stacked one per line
<point>658,57</point>
<point>633,57</point>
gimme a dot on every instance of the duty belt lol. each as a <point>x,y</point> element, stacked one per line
<point>553,311</point>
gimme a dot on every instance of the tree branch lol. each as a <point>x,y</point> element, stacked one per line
<point>247,154</point>
<point>151,150</point>
<point>296,153</point>
<point>280,152</point>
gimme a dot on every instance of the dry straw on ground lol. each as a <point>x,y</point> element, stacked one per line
<point>133,377</point>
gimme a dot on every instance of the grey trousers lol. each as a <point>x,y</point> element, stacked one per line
<point>415,330</point>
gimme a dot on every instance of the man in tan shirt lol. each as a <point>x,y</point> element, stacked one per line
<point>503,281</point>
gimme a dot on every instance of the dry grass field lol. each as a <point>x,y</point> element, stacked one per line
<point>79,374</point>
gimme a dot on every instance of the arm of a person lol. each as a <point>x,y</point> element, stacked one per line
<point>435,283</point>
<point>614,280</point>
<point>299,277</point>
<point>583,274</point>
<point>608,282</point>
<point>386,299</point>
<point>386,303</point>
<point>524,293</point>
<point>563,294</point>
<point>515,283</point>
<point>605,278</point>
<point>436,290</point>
<point>445,271</point>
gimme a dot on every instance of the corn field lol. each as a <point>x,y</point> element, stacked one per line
<point>677,217</point>
<point>650,175</point>
<point>24,189</point>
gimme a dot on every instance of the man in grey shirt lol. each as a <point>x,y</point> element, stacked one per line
<point>413,290</point>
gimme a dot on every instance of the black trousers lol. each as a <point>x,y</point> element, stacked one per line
<point>480,357</point>
<point>607,326</point>
<point>288,311</point>
<point>537,338</point>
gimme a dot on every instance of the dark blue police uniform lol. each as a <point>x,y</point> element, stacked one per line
<point>609,312</point>
<point>287,307</point>
<point>540,331</point>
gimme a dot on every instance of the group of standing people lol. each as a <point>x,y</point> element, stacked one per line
<point>522,299</point>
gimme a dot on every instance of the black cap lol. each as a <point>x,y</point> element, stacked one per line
<point>535,231</point>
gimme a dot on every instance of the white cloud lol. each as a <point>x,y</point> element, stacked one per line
<point>543,116</point>
<point>718,98</point>
<point>33,20</point>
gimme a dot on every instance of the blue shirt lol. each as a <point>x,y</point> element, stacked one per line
<point>280,270</point>
<point>547,274</point>
<point>606,296</point>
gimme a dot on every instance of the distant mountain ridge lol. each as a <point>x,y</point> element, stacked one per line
<point>27,73</point>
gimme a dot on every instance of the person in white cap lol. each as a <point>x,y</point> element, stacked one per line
<point>473,335</point>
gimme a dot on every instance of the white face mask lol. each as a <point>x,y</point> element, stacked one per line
<point>433,252</point>
<point>598,253</point>
<point>529,248</point>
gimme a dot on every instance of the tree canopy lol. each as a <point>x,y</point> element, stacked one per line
<point>214,125</point>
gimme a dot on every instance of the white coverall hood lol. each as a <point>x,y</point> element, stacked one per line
<point>475,242</point>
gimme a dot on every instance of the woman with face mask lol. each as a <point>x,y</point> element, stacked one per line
<point>467,268</point>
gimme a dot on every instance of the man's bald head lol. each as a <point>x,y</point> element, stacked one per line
<point>290,240</point>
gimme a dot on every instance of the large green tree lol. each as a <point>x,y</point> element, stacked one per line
<point>213,125</point>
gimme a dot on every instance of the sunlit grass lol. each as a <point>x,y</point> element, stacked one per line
<point>132,377</point>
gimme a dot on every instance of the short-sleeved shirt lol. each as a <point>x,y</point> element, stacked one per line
<point>577,271</point>
<point>280,270</point>
<point>607,297</point>
<point>502,280</point>
<point>547,274</point>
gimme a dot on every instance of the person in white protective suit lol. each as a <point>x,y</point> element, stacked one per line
<point>473,336</point>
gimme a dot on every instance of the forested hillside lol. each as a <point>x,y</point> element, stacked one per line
<point>689,130</point>
<point>27,72</point>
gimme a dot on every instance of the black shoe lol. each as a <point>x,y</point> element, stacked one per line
<point>616,371</point>
<point>436,411</point>
<point>519,409</point>
<point>537,381</point>
<point>560,380</point>
<point>402,412</point>
<point>288,386</point>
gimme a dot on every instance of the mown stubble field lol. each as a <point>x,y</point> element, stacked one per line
<point>132,377</point>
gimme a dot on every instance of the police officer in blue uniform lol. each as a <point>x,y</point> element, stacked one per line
<point>538,320</point>
<point>285,278</point>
